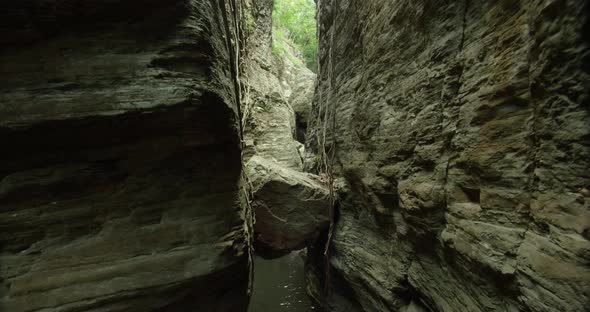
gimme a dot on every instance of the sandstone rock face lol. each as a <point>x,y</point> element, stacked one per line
<point>462,134</point>
<point>121,158</point>
<point>291,207</point>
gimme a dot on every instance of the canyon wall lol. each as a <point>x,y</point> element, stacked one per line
<point>462,133</point>
<point>120,165</point>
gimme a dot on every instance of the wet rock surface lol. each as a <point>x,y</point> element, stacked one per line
<point>121,158</point>
<point>461,131</point>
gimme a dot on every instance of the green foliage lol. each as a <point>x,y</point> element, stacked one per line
<point>249,23</point>
<point>284,47</point>
<point>294,20</point>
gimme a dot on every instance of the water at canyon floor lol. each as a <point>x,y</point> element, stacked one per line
<point>279,285</point>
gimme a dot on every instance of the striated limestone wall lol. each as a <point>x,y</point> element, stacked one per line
<point>461,130</point>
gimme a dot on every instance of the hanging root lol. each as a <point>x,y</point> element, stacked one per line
<point>248,216</point>
<point>236,38</point>
<point>326,121</point>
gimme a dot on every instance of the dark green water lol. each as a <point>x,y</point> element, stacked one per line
<point>279,285</point>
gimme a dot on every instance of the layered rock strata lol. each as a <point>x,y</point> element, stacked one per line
<point>461,131</point>
<point>121,157</point>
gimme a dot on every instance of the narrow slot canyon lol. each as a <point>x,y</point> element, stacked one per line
<point>294,155</point>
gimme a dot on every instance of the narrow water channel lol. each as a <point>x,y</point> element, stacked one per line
<point>279,285</point>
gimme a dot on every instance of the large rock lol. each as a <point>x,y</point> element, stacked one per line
<point>120,158</point>
<point>462,132</point>
<point>291,207</point>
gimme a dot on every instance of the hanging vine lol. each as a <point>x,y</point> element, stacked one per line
<point>236,45</point>
<point>326,125</point>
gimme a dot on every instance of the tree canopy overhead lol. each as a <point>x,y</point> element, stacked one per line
<point>295,20</point>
